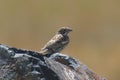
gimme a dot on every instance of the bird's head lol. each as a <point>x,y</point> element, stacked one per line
<point>64,30</point>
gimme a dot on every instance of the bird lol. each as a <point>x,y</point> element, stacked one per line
<point>58,42</point>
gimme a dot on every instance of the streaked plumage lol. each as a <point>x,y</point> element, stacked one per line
<point>58,42</point>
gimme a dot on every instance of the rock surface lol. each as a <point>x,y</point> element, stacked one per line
<point>18,64</point>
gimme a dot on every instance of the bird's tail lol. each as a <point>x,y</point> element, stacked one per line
<point>44,51</point>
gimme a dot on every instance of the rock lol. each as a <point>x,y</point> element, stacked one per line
<point>18,64</point>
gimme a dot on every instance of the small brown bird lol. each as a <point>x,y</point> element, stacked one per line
<point>58,42</point>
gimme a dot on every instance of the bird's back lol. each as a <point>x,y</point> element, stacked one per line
<point>56,44</point>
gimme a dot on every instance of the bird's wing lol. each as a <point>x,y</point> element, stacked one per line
<point>53,41</point>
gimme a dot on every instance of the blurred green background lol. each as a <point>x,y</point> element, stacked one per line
<point>95,39</point>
